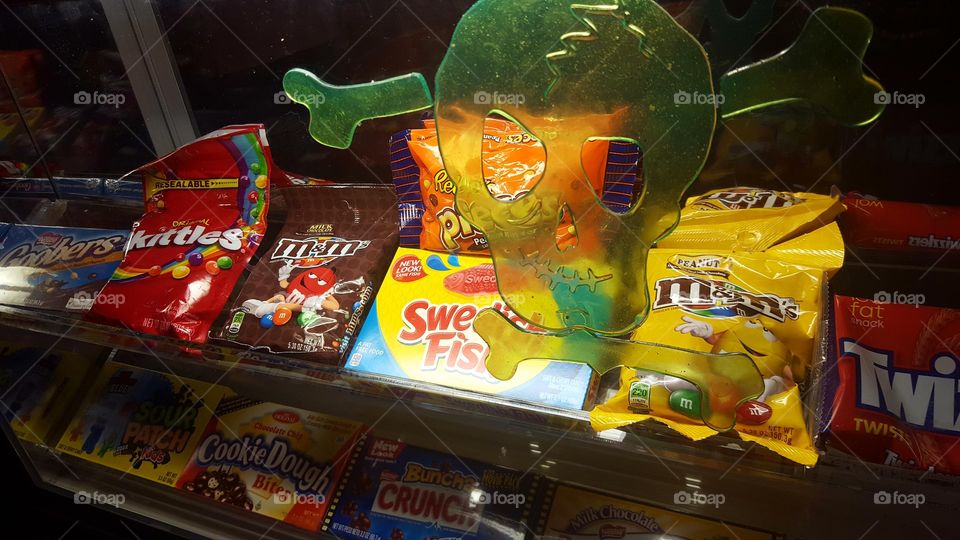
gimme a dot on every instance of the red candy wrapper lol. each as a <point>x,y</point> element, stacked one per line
<point>897,398</point>
<point>206,210</point>
<point>890,225</point>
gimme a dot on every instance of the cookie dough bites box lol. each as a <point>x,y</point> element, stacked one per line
<point>271,459</point>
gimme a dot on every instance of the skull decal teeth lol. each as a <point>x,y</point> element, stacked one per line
<point>563,276</point>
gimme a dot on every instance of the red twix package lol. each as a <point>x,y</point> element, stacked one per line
<point>206,209</point>
<point>897,398</point>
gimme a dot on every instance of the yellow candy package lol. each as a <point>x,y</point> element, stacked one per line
<point>749,219</point>
<point>765,305</point>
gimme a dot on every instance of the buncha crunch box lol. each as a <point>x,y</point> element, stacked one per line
<point>395,491</point>
<point>421,328</point>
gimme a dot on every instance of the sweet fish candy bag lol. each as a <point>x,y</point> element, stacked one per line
<point>513,162</point>
<point>716,301</point>
<point>749,219</point>
<point>420,328</point>
<point>206,209</point>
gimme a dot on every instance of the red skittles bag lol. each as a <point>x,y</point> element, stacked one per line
<point>206,210</point>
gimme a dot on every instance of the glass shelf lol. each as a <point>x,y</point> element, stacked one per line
<point>645,462</point>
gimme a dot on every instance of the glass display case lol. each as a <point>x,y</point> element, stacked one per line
<point>163,425</point>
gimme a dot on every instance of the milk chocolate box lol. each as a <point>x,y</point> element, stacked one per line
<point>579,514</point>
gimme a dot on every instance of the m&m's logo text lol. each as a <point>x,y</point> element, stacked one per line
<point>316,248</point>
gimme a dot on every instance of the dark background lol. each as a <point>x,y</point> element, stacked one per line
<point>32,512</point>
<point>231,55</point>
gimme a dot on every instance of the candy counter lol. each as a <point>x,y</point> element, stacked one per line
<point>627,269</point>
<point>534,439</point>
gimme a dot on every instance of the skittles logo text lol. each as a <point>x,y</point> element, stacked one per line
<point>229,239</point>
<point>275,458</point>
<point>446,330</point>
<point>692,294</point>
<point>60,250</point>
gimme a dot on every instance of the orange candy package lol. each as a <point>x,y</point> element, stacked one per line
<point>513,162</point>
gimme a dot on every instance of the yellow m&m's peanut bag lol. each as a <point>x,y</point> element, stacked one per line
<point>749,219</point>
<point>767,306</point>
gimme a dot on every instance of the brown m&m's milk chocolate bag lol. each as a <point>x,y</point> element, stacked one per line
<point>309,290</point>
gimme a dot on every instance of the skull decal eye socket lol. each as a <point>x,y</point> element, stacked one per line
<point>512,159</point>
